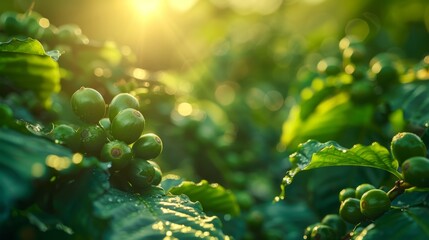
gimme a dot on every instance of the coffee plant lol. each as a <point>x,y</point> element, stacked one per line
<point>97,143</point>
<point>92,173</point>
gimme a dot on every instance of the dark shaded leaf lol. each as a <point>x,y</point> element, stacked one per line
<point>399,224</point>
<point>412,99</point>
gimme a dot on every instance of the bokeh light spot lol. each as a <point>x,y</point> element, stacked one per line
<point>77,158</point>
<point>273,100</point>
<point>358,28</point>
<point>254,98</point>
<point>140,73</point>
<point>184,109</point>
<point>225,94</point>
<point>44,22</point>
<point>37,170</point>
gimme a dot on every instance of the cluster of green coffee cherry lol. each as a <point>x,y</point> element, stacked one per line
<point>33,25</point>
<point>410,152</point>
<point>367,203</point>
<point>382,69</point>
<point>114,136</point>
<point>369,75</point>
<point>363,202</point>
<point>331,227</point>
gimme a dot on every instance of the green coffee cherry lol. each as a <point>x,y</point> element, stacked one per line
<point>405,145</point>
<point>11,23</point>
<point>354,54</point>
<point>148,146</point>
<point>157,178</point>
<point>363,188</point>
<point>349,41</point>
<point>92,139</point>
<point>308,230</point>
<point>374,203</point>
<point>385,74</point>
<point>69,34</point>
<point>88,104</point>
<point>346,193</point>
<point>62,133</point>
<point>121,102</point>
<point>322,232</point>
<point>329,66</point>
<point>141,174</point>
<point>350,211</point>
<point>128,125</point>
<point>116,152</point>
<point>105,124</point>
<point>358,72</point>
<point>415,171</point>
<point>74,142</point>
<point>336,223</point>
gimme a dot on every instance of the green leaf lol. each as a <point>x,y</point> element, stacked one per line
<point>412,99</point>
<point>320,125</point>
<point>25,66</point>
<point>411,197</point>
<point>399,224</point>
<point>170,180</point>
<point>27,46</point>
<point>309,105</point>
<point>154,216</point>
<point>25,159</point>
<point>73,201</point>
<point>21,163</point>
<point>94,210</point>
<point>213,197</point>
<point>84,202</point>
<point>313,154</point>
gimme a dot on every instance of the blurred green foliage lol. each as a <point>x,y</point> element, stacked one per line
<point>235,86</point>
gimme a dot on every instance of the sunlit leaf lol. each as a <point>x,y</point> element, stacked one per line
<point>328,120</point>
<point>154,216</point>
<point>170,180</point>
<point>313,154</point>
<point>309,105</point>
<point>26,46</point>
<point>25,66</point>
<point>213,197</point>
